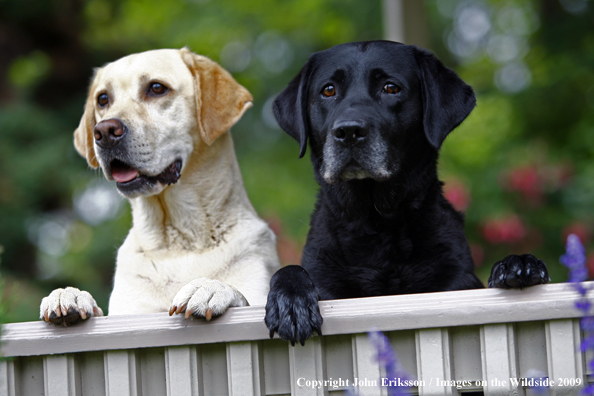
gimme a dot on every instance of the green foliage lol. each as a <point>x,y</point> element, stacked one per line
<point>521,164</point>
<point>526,157</point>
<point>29,70</point>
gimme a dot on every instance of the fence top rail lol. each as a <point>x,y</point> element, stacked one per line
<point>388,313</point>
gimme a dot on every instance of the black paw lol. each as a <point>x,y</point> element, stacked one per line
<point>518,272</point>
<point>292,308</point>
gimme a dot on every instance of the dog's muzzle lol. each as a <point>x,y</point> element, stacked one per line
<point>354,150</point>
<point>120,165</point>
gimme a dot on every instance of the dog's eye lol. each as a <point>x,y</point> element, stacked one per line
<point>391,88</point>
<point>329,91</point>
<point>102,100</point>
<point>157,89</point>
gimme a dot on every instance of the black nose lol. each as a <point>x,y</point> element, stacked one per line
<point>350,132</point>
<point>108,133</point>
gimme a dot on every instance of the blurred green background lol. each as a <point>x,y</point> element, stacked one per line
<point>521,166</point>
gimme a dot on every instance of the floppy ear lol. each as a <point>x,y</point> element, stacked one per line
<point>290,108</point>
<point>83,135</point>
<point>447,100</point>
<point>220,100</point>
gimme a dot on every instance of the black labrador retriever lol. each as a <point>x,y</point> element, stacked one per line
<point>376,114</point>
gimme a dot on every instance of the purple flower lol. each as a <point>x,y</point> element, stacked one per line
<point>351,392</point>
<point>575,259</point>
<point>580,288</point>
<point>587,323</point>
<point>536,381</point>
<point>583,305</point>
<point>588,390</point>
<point>588,343</point>
<point>387,358</point>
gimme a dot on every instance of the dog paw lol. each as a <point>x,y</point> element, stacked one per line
<point>292,308</point>
<point>518,272</point>
<point>205,298</point>
<point>68,306</point>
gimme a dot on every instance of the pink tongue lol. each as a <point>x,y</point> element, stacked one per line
<point>124,175</point>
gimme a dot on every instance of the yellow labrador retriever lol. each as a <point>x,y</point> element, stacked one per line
<point>157,124</point>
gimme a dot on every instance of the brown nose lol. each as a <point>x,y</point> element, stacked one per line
<point>108,133</point>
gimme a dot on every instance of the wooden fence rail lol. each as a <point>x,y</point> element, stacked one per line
<point>466,342</point>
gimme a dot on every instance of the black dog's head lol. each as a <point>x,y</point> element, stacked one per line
<point>370,108</point>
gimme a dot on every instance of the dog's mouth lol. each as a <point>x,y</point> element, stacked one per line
<point>354,171</point>
<point>125,175</point>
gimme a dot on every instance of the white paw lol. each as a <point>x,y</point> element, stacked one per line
<point>67,306</point>
<point>206,298</point>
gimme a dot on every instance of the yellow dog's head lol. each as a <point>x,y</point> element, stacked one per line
<point>146,113</point>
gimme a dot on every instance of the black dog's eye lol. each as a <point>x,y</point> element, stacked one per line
<point>391,88</point>
<point>329,91</point>
<point>157,89</point>
<point>102,100</point>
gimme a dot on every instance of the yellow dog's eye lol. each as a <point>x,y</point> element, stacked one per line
<point>158,89</point>
<point>391,88</point>
<point>329,91</point>
<point>102,100</point>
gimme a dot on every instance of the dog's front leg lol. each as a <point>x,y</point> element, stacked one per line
<point>292,308</point>
<point>206,298</point>
<point>68,306</point>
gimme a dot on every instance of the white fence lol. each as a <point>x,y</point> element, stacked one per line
<point>479,339</point>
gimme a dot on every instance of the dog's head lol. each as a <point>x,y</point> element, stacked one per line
<point>146,113</point>
<point>369,107</point>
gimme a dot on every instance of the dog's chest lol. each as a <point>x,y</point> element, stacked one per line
<point>385,257</point>
<point>379,247</point>
<point>159,274</point>
<point>363,264</point>
<point>179,240</point>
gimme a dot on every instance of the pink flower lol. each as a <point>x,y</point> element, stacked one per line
<point>527,181</point>
<point>478,254</point>
<point>456,192</point>
<point>505,230</point>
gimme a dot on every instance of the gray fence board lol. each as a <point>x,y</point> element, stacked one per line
<point>8,377</point>
<point>245,369</point>
<point>564,356</point>
<point>499,360</point>
<point>434,362</point>
<point>181,370</point>
<point>365,366</point>
<point>61,375</point>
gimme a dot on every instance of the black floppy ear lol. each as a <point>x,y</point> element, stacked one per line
<point>447,100</point>
<point>290,108</point>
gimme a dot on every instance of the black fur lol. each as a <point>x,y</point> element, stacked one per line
<point>381,225</point>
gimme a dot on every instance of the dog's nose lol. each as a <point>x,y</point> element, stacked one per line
<point>108,133</point>
<point>350,132</point>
